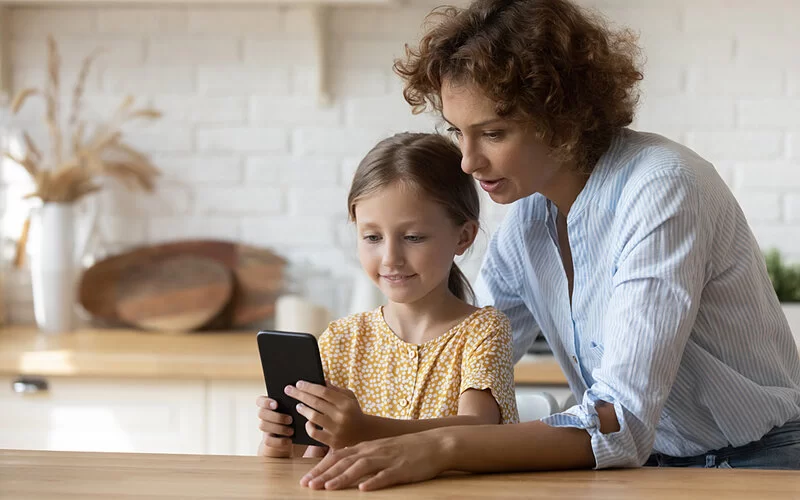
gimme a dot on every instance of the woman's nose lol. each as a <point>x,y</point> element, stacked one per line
<point>471,159</point>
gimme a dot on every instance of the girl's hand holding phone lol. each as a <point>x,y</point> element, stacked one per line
<point>334,415</point>
<point>277,440</point>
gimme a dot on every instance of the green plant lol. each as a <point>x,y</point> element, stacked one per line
<point>785,277</point>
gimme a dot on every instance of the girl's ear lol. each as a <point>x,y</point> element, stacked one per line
<point>469,231</point>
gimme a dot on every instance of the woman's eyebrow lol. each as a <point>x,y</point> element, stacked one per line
<point>480,124</point>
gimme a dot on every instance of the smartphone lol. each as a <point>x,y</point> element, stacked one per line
<point>286,358</point>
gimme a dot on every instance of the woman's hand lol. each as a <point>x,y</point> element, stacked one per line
<point>275,426</point>
<point>334,415</point>
<point>396,460</point>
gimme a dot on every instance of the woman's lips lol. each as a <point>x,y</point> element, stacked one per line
<point>492,186</point>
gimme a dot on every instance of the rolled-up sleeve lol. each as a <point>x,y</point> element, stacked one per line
<point>664,243</point>
<point>498,284</point>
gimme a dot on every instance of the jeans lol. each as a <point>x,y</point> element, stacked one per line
<point>778,449</point>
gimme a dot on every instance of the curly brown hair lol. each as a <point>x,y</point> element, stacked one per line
<point>547,62</point>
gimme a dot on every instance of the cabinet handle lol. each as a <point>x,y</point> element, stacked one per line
<point>29,385</point>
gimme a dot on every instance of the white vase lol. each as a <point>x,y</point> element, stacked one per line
<point>56,245</point>
<point>792,312</point>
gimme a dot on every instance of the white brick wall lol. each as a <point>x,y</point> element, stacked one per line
<point>248,155</point>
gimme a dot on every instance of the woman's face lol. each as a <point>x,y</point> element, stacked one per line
<point>503,154</point>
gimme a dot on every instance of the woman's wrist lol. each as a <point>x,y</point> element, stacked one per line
<point>446,442</point>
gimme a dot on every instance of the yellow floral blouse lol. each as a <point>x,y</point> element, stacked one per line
<point>394,379</point>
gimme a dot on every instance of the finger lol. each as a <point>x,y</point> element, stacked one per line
<point>320,435</point>
<point>266,402</point>
<point>359,467</point>
<point>308,399</point>
<point>344,472</point>
<point>278,430</point>
<point>277,442</point>
<point>313,416</point>
<point>274,417</point>
<point>326,463</point>
<point>383,479</point>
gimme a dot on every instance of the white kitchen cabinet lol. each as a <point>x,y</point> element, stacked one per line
<point>232,417</point>
<point>120,415</point>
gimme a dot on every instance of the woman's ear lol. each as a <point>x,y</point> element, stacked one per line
<point>469,231</point>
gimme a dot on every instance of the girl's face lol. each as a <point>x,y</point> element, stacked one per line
<point>406,242</point>
<point>504,155</point>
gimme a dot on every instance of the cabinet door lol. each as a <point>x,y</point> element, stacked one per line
<point>117,415</point>
<point>232,417</point>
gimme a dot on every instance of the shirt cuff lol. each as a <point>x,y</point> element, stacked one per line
<point>616,449</point>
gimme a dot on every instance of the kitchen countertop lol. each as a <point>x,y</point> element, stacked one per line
<point>60,475</point>
<point>137,354</point>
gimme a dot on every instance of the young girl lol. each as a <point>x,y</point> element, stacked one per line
<point>626,250</point>
<point>428,358</point>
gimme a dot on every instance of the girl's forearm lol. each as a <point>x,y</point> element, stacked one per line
<point>380,427</point>
<point>519,447</point>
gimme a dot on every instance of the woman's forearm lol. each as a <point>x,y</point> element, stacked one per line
<point>527,446</point>
<point>380,427</point>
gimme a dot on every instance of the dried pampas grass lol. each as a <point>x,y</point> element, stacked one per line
<point>68,173</point>
<point>65,173</point>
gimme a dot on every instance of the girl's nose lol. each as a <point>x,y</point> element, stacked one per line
<point>392,254</point>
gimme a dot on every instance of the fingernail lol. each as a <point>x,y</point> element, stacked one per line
<point>288,389</point>
<point>301,385</point>
<point>299,406</point>
<point>273,405</point>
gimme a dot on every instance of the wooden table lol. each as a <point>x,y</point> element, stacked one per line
<point>65,475</point>
<point>94,352</point>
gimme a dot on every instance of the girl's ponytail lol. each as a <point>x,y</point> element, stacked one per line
<point>459,285</point>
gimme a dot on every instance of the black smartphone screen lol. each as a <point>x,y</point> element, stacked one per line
<point>286,358</point>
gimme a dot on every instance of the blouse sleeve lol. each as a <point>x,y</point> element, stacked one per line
<point>488,365</point>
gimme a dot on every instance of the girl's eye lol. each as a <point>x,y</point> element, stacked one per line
<point>414,238</point>
<point>372,238</point>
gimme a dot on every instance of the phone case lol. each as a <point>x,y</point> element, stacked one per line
<point>286,358</point>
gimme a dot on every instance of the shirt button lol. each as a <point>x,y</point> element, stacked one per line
<point>412,354</point>
<point>403,403</point>
<point>574,360</point>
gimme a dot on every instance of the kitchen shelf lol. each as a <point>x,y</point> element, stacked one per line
<point>223,355</point>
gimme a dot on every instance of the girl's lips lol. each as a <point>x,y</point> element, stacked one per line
<point>491,186</point>
<point>397,279</point>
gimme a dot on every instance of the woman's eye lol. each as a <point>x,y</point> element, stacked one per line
<point>493,135</point>
<point>372,238</point>
<point>414,238</point>
<point>454,131</point>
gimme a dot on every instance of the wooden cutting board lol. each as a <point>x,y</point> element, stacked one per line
<point>257,279</point>
<point>173,294</point>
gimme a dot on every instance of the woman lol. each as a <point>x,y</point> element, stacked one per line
<point>624,249</point>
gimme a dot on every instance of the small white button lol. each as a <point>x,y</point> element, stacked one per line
<point>412,354</point>
<point>404,403</point>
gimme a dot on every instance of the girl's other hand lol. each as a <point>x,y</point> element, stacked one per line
<point>277,440</point>
<point>334,415</point>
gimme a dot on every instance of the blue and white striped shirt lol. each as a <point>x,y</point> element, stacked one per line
<point>673,317</point>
